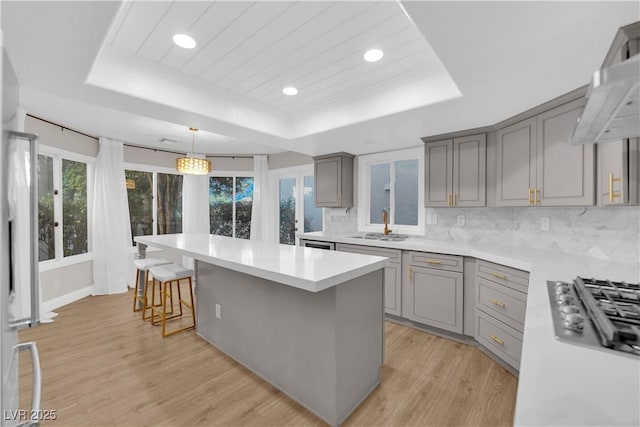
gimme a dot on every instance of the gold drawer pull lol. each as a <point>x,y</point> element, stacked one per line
<point>498,303</point>
<point>496,339</point>
<point>499,275</point>
<point>434,261</point>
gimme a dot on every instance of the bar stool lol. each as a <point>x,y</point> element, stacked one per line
<point>169,275</point>
<point>143,265</point>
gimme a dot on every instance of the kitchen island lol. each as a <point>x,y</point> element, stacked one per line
<point>310,322</point>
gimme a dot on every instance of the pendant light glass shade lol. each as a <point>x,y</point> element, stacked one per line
<point>193,165</point>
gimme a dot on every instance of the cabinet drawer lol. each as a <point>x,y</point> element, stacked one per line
<point>500,339</point>
<point>515,279</point>
<point>501,302</point>
<point>394,255</point>
<point>437,261</point>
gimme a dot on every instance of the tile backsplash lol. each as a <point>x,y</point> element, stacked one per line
<point>599,232</point>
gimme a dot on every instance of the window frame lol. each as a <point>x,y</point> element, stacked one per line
<point>154,170</point>
<point>58,154</point>
<point>364,195</point>
<point>234,175</point>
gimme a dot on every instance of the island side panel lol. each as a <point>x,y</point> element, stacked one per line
<point>360,339</point>
<point>286,335</point>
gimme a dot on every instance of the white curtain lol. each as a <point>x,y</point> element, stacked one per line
<point>195,207</point>
<point>263,224</point>
<point>112,249</point>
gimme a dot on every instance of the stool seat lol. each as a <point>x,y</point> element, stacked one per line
<point>170,272</point>
<point>146,263</point>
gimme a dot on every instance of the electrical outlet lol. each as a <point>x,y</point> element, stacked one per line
<point>217,311</point>
<point>432,219</point>
<point>461,220</point>
<point>544,225</point>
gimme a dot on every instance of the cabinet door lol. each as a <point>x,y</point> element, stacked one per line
<point>434,297</point>
<point>613,161</point>
<point>392,289</point>
<point>469,171</point>
<point>515,163</point>
<point>328,182</point>
<point>438,174</point>
<point>564,171</point>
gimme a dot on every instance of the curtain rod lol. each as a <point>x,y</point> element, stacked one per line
<point>132,145</point>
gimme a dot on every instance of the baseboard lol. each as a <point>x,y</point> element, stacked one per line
<point>65,299</point>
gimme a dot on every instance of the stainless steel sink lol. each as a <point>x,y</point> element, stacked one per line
<point>381,236</point>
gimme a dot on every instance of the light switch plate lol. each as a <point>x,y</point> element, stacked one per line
<point>432,219</point>
<point>217,311</point>
<point>461,220</point>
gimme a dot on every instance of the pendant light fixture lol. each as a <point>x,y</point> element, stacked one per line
<point>191,165</point>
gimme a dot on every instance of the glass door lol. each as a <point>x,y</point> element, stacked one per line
<point>296,205</point>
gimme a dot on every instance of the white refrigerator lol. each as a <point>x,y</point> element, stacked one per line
<point>19,297</point>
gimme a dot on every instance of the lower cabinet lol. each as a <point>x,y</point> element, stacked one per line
<point>432,292</point>
<point>392,274</point>
<point>501,300</point>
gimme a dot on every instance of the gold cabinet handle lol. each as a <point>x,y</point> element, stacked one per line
<point>496,339</point>
<point>410,274</point>
<point>455,199</point>
<point>529,197</point>
<point>434,261</point>
<point>613,194</point>
<point>536,198</point>
<point>448,199</point>
<point>499,275</point>
<point>498,303</point>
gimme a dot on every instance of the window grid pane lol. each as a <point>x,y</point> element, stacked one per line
<point>287,219</point>
<point>380,192</point>
<point>46,233</point>
<point>406,192</point>
<point>74,208</point>
<point>312,214</point>
<point>244,204</point>
<point>140,197</point>
<point>169,196</point>
<point>221,206</point>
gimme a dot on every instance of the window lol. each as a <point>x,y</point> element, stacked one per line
<point>230,205</point>
<point>143,186</point>
<point>392,182</point>
<point>63,217</point>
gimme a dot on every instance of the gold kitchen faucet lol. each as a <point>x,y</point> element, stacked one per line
<point>385,219</point>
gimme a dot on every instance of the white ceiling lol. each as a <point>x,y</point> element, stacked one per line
<point>110,68</point>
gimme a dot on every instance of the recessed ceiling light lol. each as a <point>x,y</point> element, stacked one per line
<point>373,55</point>
<point>290,90</point>
<point>184,41</point>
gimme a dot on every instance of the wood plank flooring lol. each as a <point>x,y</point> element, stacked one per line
<point>103,366</point>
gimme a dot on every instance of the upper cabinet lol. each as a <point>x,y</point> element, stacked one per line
<point>455,172</point>
<point>536,164</point>
<point>334,180</point>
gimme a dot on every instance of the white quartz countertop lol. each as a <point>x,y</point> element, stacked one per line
<point>560,384</point>
<point>304,268</point>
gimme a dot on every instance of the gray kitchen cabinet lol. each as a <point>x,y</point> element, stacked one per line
<point>618,172</point>
<point>432,295</point>
<point>455,172</point>
<point>536,164</point>
<point>333,174</point>
<point>500,302</point>
<point>392,273</point>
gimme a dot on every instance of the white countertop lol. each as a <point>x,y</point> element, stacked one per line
<point>560,384</point>
<point>303,268</point>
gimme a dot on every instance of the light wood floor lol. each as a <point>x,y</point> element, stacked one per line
<point>103,366</point>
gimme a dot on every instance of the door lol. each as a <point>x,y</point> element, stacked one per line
<point>565,172</point>
<point>516,163</point>
<point>434,297</point>
<point>296,208</point>
<point>469,171</point>
<point>438,184</point>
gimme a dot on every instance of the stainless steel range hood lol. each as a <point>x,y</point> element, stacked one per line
<point>613,105</point>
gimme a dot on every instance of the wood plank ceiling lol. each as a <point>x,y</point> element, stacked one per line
<point>255,49</point>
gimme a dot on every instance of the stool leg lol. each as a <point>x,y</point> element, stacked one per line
<point>164,307</point>
<point>145,298</point>
<point>153,301</point>
<point>135,291</point>
<point>193,305</point>
<point>179,298</point>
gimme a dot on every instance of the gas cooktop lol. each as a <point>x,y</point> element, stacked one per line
<point>598,313</point>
